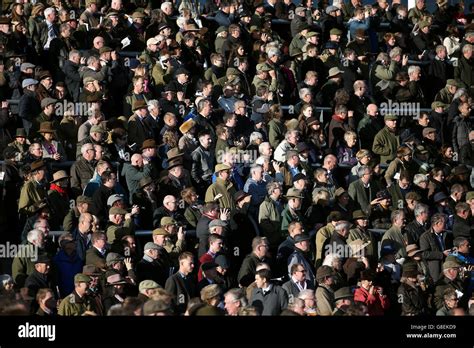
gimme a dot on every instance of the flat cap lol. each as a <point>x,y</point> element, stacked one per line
<point>114,198</point>
<point>47,101</point>
<point>82,278</point>
<point>28,82</point>
<point>117,211</point>
<point>148,284</point>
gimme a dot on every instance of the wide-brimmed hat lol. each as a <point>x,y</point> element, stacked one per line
<point>139,104</point>
<point>334,72</point>
<point>187,126</point>
<point>440,196</point>
<point>148,143</point>
<point>294,193</point>
<point>38,164</point>
<point>412,250</point>
<point>115,279</point>
<point>174,153</point>
<point>47,101</point>
<point>343,293</point>
<point>357,246</point>
<point>239,195</point>
<point>20,133</point>
<point>359,214</point>
<point>323,272</point>
<point>60,175</point>
<point>90,270</point>
<point>46,127</point>
<point>145,182</point>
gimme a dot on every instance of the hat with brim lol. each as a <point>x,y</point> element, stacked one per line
<point>139,104</point>
<point>60,175</point>
<point>174,153</point>
<point>331,45</point>
<point>182,71</point>
<point>220,167</point>
<point>412,250</point>
<point>450,264</point>
<point>47,101</point>
<point>28,82</point>
<point>144,182</point>
<point>175,163</point>
<point>82,278</point>
<point>148,284</point>
<point>44,74</point>
<point>113,199</point>
<point>339,192</point>
<point>46,127</point>
<point>423,24</point>
<point>160,232</point>
<point>439,197</point>
<point>36,165</point>
<point>156,306</point>
<point>331,9</point>
<point>387,249</point>
<point>148,144</point>
<point>359,214</point>
<point>334,72</point>
<point>453,82</point>
<point>113,258</point>
<point>460,170</point>
<point>217,223</point>
<point>84,199</point>
<point>335,31</point>
<point>301,238</point>
<point>239,195</point>
<point>91,270</point>
<point>115,279</point>
<point>117,211</point>
<point>343,293</point>
<point>294,193</point>
<point>105,49</point>
<point>163,26</point>
<point>390,117</point>
<point>428,130</point>
<point>151,246</point>
<point>323,272</point>
<point>27,65</point>
<point>187,126</point>
<point>42,259</point>
<point>438,104</point>
<point>5,20</point>
<point>96,129</point>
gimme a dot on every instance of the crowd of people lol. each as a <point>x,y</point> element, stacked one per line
<point>236,157</point>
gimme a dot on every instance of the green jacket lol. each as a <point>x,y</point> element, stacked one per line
<point>30,197</point>
<point>385,145</point>
<point>321,236</point>
<point>394,237</point>
<point>287,217</point>
<point>387,73</point>
<point>73,305</point>
<point>114,231</point>
<point>269,219</point>
<point>226,189</point>
<point>297,43</point>
<point>276,132</point>
<point>271,85</point>
<point>444,96</point>
<point>22,267</point>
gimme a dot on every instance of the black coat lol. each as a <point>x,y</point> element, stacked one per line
<point>432,253</point>
<point>182,289</point>
<point>29,107</point>
<point>72,79</point>
<point>413,300</point>
<point>462,228</point>
<point>413,232</point>
<point>152,271</point>
<point>272,303</point>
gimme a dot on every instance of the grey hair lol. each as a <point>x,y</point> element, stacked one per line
<point>92,59</point>
<point>254,136</point>
<point>273,52</point>
<point>361,170</point>
<point>255,167</point>
<point>330,258</point>
<point>33,236</point>
<point>413,68</point>
<point>396,51</point>
<point>74,53</point>
<point>306,293</point>
<point>262,145</point>
<point>459,92</point>
<point>420,208</point>
<point>85,147</point>
<point>290,132</point>
<point>152,104</point>
<point>342,225</point>
<point>48,11</point>
<point>467,47</point>
<point>303,92</point>
<point>5,279</point>
<point>396,214</point>
<point>419,178</point>
<point>238,295</point>
<point>272,186</point>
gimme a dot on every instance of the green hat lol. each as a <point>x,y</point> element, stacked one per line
<point>311,34</point>
<point>359,214</point>
<point>342,293</point>
<point>148,284</point>
<point>88,79</point>
<point>82,278</point>
<point>390,117</point>
<point>84,199</point>
<point>450,264</point>
<point>117,211</point>
<point>438,104</point>
<point>220,167</point>
<point>221,29</point>
<point>453,82</point>
<point>97,129</point>
<point>294,193</point>
<point>263,67</point>
<point>469,196</point>
<point>167,220</point>
<point>423,24</point>
<point>160,232</point>
<point>105,49</point>
<point>335,31</point>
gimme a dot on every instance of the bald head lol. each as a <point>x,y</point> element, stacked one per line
<point>137,160</point>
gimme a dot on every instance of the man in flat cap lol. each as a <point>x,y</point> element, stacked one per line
<point>78,303</point>
<point>222,190</point>
<point>47,115</point>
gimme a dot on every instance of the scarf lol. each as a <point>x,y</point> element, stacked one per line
<point>59,189</point>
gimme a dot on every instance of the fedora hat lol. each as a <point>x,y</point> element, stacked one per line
<point>148,143</point>
<point>60,175</point>
<point>412,250</point>
<point>187,126</point>
<point>357,246</point>
<point>46,127</point>
<point>174,153</point>
<point>139,104</point>
<point>37,165</point>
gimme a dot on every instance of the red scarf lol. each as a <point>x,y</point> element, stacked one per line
<point>59,189</point>
<point>338,118</point>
